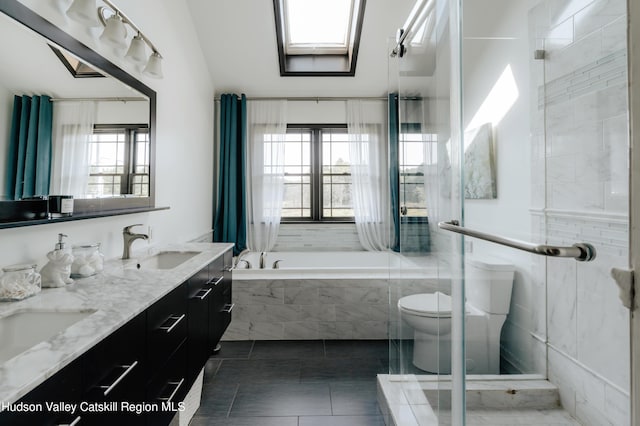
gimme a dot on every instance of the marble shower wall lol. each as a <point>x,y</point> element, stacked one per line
<point>580,158</point>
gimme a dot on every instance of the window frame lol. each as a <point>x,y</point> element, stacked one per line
<point>316,175</point>
<point>130,132</point>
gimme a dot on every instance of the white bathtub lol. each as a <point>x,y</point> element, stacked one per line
<point>347,264</point>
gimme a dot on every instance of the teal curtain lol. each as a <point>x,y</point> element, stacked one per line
<point>394,168</point>
<point>230,219</point>
<point>29,154</point>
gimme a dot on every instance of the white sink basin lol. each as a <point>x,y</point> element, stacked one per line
<point>23,329</point>
<point>166,259</point>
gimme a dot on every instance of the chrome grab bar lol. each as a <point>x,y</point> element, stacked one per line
<point>583,252</point>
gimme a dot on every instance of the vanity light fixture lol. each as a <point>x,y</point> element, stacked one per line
<point>84,11</point>
<point>115,33</point>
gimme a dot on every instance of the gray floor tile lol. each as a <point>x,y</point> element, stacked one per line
<point>341,421</point>
<point>282,400</point>
<point>258,371</point>
<point>287,349</point>
<point>210,369</point>
<point>354,399</point>
<point>236,349</point>
<point>362,349</point>
<point>347,369</point>
<point>216,400</point>
<point>244,421</point>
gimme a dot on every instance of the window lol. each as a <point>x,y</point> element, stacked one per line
<point>417,151</point>
<point>318,37</point>
<point>119,161</point>
<point>317,174</point>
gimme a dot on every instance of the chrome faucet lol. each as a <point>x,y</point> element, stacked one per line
<point>276,264</point>
<point>247,263</point>
<point>262,257</point>
<point>240,259</point>
<point>129,238</point>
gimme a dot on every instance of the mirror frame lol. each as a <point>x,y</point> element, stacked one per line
<point>91,207</point>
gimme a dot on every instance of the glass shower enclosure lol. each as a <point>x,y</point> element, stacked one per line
<point>512,119</point>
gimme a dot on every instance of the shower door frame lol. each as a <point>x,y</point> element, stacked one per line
<point>633,8</point>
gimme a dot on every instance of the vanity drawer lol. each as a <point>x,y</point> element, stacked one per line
<point>66,385</point>
<point>220,312</point>
<point>169,387</point>
<point>115,371</point>
<point>199,295</point>
<point>166,327</point>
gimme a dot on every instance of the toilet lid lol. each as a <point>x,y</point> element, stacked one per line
<point>427,304</point>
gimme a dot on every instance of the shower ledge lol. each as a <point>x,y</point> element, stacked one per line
<point>412,400</point>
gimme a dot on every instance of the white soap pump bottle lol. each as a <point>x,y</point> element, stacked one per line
<point>56,273</point>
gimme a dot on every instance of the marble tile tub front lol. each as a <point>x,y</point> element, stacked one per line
<point>315,308</point>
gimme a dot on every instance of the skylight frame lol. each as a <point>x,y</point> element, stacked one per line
<point>321,62</point>
<point>318,48</point>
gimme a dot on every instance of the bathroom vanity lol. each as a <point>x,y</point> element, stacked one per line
<point>143,331</point>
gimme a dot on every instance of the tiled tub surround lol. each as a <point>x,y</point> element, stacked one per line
<point>345,301</point>
<point>117,294</point>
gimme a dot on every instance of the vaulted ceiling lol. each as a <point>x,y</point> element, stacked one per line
<point>238,39</point>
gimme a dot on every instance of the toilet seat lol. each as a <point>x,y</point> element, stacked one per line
<point>435,305</point>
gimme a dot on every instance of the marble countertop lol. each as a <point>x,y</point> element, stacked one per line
<point>117,295</point>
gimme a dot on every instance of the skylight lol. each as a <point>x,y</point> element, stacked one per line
<point>318,26</point>
<point>318,37</point>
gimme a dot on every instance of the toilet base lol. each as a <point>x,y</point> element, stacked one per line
<point>432,354</point>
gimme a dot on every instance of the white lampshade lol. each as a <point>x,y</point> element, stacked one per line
<point>154,66</point>
<point>85,12</point>
<point>115,33</point>
<point>137,52</point>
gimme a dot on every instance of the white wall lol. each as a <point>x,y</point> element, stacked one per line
<point>122,112</point>
<point>184,137</point>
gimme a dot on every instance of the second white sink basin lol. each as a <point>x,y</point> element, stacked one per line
<point>166,259</point>
<point>23,329</point>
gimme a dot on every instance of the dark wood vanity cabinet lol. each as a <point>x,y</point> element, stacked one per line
<point>114,372</point>
<point>152,359</point>
<point>220,305</point>
<point>199,297</point>
<point>66,385</point>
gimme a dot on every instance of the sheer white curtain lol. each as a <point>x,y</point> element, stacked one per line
<point>368,149</point>
<point>72,129</point>
<point>267,129</point>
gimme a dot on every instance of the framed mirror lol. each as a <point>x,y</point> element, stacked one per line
<point>116,159</point>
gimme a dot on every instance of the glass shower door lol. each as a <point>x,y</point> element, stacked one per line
<point>425,173</point>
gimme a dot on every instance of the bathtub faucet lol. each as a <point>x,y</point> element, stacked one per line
<point>240,259</point>
<point>262,256</point>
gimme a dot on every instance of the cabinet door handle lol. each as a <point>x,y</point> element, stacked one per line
<point>202,295</point>
<point>228,308</point>
<point>215,281</point>
<point>169,328</point>
<point>75,422</point>
<point>128,369</point>
<point>177,385</point>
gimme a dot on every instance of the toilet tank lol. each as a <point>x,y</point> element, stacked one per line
<point>488,284</point>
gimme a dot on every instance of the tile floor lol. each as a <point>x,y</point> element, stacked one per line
<point>293,383</point>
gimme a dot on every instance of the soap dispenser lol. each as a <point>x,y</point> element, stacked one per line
<point>56,273</point>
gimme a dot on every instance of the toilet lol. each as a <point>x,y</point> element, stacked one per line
<point>488,285</point>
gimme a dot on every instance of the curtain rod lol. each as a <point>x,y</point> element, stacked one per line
<point>326,98</point>
<point>99,99</point>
